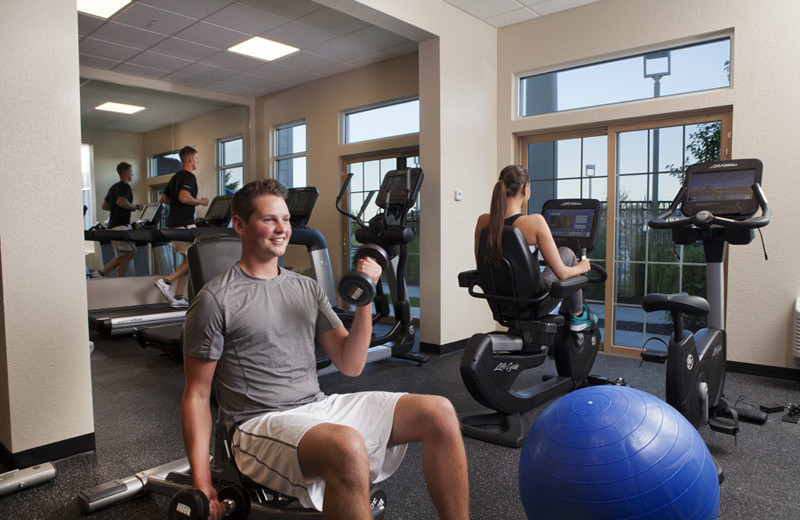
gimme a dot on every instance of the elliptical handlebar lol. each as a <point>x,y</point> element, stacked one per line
<point>342,191</point>
<point>705,218</point>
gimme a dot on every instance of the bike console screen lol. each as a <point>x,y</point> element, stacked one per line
<point>723,188</point>
<point>394,187</point>
<point>573,222</point>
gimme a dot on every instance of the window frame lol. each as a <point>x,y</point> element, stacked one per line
<point>294,155</point>
<point>220,167</point>
<point>345,126</point>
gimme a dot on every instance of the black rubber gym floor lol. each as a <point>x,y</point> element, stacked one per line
<point>136,409</point>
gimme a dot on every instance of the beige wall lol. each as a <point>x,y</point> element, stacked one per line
<point>202,133</point>
<point>458,92</point>
<point>45,381</point>
<point>765,101</point>
<point>110,148</point>
<point>320,105</point>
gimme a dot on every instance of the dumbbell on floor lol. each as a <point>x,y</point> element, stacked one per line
<point>192,504</point>
<point>357,288</point>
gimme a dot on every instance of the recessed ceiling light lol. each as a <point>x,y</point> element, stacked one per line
<point>101,8</point>
<point>122,108</point>
<point>263,49</point>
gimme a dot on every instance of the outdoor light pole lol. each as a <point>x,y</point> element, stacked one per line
<point>656,66</point>
<point>590,176</point>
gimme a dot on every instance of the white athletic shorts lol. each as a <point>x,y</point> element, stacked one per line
<point>122,246</point>
<point>180,248</point>
<point>265,447</point>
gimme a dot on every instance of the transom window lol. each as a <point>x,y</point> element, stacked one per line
<point>677,70</point>
<point>387,120</point>
<point>165,163</point>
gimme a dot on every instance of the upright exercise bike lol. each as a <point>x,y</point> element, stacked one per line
<point>718,203</point>
<point>493,362</point>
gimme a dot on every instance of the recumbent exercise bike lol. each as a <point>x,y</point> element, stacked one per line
<point>492,362</point>
<point>717,202</point>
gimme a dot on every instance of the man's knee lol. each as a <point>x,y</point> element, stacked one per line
<point>335,452</point>
<point>440,416</point>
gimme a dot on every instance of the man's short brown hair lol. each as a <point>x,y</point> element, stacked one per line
<point>123,167</point>
<point>242,204</point>
<point>185,152</point>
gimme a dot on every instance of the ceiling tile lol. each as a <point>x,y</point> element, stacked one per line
<point>184,49</point>
<point>106,49</point>
<point>127,35</point>
<point>232,61</point>
<point>246,19</point>
<point>520,15</point>
<point>230,89</point>
<point>544,7</point>
<point>136,70</point>
<point>158,61</point>
<point>88,60</point>
<point>205,74</point>
<point>298,35</point>
<point>87,24</point>
<point>484,9</point>
<point>153,19</point>
<point>333,22</point>
<point>289,9</point>
<point>273,71</point>
<point>369,58</point>
<point>313,63</point>
<point>212,35</point>
<point>376,38</point>
<point>342,49</point>
<point>197,9</point>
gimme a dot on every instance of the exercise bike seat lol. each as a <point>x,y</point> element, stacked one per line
<point>680,302</point>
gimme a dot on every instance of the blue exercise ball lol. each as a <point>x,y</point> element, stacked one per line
<point>613,452</point>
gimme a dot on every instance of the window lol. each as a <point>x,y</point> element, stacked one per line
<point>679,70</point>
<point>384,121</point>
<point>86,175</point>
<point>290,155</point>
<point>230,165</point>
<point>165,163</point>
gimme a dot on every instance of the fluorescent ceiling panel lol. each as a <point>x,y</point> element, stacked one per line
<point>263,49</point>
<point>122,108</point>
<point>101,8</point>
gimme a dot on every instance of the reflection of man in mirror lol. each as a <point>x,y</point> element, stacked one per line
<point>119,201</point>
<point>181,195</point>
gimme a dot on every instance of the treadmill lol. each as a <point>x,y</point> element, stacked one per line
<point>118,306</point>
<point>301,202</point>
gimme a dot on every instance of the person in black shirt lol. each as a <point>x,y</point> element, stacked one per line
<point>181,195</point>
<point>119,201</point>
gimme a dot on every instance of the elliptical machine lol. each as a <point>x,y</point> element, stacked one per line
<point>718,202</point>
<point>389,230</point>
<point>492,362</point>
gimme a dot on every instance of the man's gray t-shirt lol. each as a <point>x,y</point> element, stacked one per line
<point>262,334</point>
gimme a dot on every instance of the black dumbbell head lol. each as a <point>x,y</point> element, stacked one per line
<point>356,288</point>
<point>189,504</point>
<point>241,503</point>
<point>375,252</point>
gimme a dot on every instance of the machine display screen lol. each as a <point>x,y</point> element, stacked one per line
<point>394,185</point>
<point>722,188</point>
<point>574,223</point>
<point>219,209</point>
<point>149,212</point>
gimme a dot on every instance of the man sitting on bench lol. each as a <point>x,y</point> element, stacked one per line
<point>253,328</point>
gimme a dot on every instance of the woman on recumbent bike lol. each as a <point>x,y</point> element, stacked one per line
<point>509,207</point>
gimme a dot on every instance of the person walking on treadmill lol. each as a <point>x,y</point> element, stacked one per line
<point>252,329</point>
<point>181,195</point>
<point>119,201</point>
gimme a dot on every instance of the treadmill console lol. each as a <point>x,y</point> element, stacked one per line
<point>573,222</point>
<point>218,214</point>
<point>723,188</point>
<point>149,216</point>
<point>301,202</point>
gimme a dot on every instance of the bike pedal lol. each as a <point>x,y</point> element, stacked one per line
<point>654,356</point>
<point>723,426</point>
